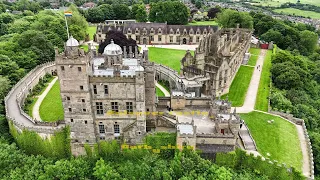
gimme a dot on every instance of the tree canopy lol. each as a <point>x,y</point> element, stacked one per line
<point>230,18</point>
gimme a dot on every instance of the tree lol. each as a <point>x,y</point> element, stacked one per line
<point>104,171</point>
<point>308,42</point>
<point>5,85</point>
<point>95,15</point>
<point>107,10</point>
<point>272,35</point>
<point>141,14</point>
<point>118,38</point>
<point>230,18</point>
<point>121,11</point>
<point>198,4</point>
<point>212,13</point>
<point>172,12</point>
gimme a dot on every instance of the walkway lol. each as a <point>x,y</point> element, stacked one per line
<point>165,92</point>
<point>247,140</point>
<point>36,107</point>
<point>179,47</point>
<point>252,92</point>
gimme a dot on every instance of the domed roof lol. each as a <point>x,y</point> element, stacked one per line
<point>112,49</point>
<point>72,42</point>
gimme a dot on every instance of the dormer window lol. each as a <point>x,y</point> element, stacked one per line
<point>171,31</point>
<point>178,32</point>
<point>144,31</point>
<point>151,31</point>
<point>184,31</point>
<point>159,31</point>
<point>204,32</point>
<point>191,31</point>
<point>129,31</point>
<point>137,31</point>
<point>198,32</point>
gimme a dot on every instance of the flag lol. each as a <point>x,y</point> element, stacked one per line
<point>68,13</point>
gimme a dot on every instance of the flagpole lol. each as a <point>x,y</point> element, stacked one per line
<point>65,18</point>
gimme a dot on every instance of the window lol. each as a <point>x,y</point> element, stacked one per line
<point>102,138</point>
<point>99,107</point>
<point>83,100</point>
<point>191,39</point>
<point>71,120</point>
<point>171,39</point>
<point>198,39</point>
<point>94,89</point>
<point>129,31</point>
<point>129,107</point>
<point>87,141</point>
<point>137,31</point>
<point>70,110</point>
<point>68,98</point>
<point>62,68</point>
<point>159,31</point>
<point>129,36</point>
<point>151,38</point>
<point>101,129</point>
<point>86,122</point>
<point>106,91</point>
<point>198,32</point>
<point>137,38</point>
<point>159,38</point>
<point>116,129</point>
<point>79,69</point>
<point>114,106</point>
<point>151,31</point>
<point>84,110</point>
<point>81,87</point>
<point>178,39</point>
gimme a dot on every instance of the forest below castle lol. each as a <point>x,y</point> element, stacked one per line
<point>28,39</point>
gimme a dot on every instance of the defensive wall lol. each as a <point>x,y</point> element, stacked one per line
<point>14,102</point>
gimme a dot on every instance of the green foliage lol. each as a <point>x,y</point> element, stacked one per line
<point>229,19</point>
<point>58,146</point>
<point>240,160</point>
<point>172,12</point>
<point>162,139</point>
<point>159,92</point>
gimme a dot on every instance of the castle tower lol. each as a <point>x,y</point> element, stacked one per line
<point>73,69</point>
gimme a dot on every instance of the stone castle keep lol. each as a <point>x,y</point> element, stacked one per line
<point>113,96</point>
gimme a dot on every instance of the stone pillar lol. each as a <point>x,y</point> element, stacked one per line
<point>124,52</point>
<point>130,52</point>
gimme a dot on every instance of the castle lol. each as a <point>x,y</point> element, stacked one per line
<point>157,33</point>
<point>108,97</point>
<point>218,57</point>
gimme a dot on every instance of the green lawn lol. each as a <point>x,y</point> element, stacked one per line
<point>279,2</point>
<point>262,100</point>
<point>51,108</point>
<point>213,23</point>
<point>84,47</point>
<point>168,57</point>
<point>254,56</point>
<point>298,12</point>
<point>279,139</point>
<point>159,92</point>
<point>239,86</point>
<point>91,31</point>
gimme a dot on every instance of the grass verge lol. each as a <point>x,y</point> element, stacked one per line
<point>254,56</point>
<point>298,12</point>
<point>239,86</point>
<point>51,108</point>
<point>159,92</point>
<point>212,23</point>
<point>262,100</point>
<point>279,139</point>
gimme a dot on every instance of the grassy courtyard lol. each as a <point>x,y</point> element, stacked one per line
<point>91,31</point>
<point>212,23</point>
<point>254,56</point>
<point>279,139</point>
<point>262,100</point>
<point>51,108</point>
<point>298,12</point>
<point>159,92</point>
<point>239,86</point>
<point>167,57</point>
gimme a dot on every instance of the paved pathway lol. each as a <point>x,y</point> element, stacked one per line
<point>166,93</point>
<point>252,92</point>
<point>179,47</point>
<point>36,107</point>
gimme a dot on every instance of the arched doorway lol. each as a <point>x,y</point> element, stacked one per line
<point>144,41</point>
<point>184,41</point>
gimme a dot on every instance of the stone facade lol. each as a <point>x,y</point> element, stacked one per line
<point>218,57</point>
<point>157,33</point>
<point>102,95</point>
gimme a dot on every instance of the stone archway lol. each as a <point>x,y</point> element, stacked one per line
<point>184,41</point>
